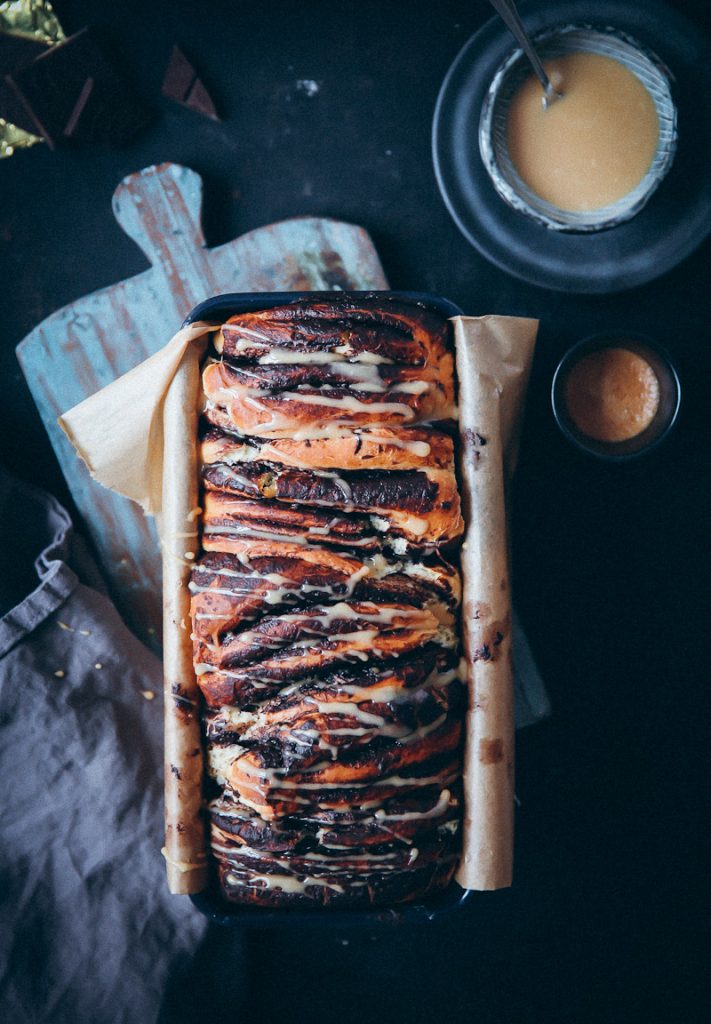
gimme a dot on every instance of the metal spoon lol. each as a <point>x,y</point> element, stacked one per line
<point>512,20</point>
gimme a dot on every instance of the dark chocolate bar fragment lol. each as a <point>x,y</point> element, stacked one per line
<point>182,85</point>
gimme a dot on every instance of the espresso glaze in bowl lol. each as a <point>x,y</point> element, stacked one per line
<point>667,409</point>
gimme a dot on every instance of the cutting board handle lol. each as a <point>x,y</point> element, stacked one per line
<point>159,208</point>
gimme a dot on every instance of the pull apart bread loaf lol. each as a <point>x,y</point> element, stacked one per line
<point>325,605</point>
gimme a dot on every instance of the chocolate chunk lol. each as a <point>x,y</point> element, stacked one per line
<point>200,101</point>
<point>181,84</point>
<point>55,93</point>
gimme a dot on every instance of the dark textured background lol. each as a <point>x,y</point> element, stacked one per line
<point>608,918</point>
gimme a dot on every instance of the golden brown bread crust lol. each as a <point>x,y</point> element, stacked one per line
<point>254,776</point>
<point>404,818</point>
<point>299,795</point>
<point>324,615</point>
<point>245,688</point>
<point>421,508</point>
<point>383,448</point>
<point>256,663</point>
<point>230,523</point>
<point>349,327</point>
<point>410,483</point>
<point>304,724</point>
<point>326,368</point>
<point>311,411</point>
<point>387,877</point>
<point>227,589</point>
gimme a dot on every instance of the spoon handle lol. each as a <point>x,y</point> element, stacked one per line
<point>511,18</point>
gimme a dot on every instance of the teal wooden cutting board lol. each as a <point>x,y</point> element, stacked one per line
<point>90,342</point>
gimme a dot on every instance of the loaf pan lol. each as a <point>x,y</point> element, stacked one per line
<point>210,902</point>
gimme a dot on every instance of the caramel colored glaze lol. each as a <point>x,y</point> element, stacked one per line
<point>612,394</point>
<point>593,146</point>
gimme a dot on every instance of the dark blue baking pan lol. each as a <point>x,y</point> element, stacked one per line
<point>222,306</point>
<point>210,902</point>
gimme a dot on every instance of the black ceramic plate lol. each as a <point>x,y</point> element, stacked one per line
<point>210,902</point>
<point>677,217</point>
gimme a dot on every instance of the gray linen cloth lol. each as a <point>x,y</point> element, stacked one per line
<point>88,930</point>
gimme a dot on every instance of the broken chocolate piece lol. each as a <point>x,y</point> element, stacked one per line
<point>179,76</point>
<point>54,90</point>
<point>182,85</point>
<point>200,101</point>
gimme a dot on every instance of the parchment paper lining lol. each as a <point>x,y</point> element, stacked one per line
<point>494,357</point>
<point>138,437</point>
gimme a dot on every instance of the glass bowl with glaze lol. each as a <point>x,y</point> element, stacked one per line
<point>661,422</point>
<point>493,126</point>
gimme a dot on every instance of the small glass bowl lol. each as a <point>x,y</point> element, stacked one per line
<point>669,396</point>
<point>493,142</point>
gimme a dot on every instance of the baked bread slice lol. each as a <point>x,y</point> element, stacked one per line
<point>230,588</point>
<point>407,495</point>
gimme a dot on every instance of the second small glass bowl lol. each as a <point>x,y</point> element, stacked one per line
<point>667,409</point>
